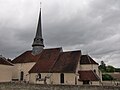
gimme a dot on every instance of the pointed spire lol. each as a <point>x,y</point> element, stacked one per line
<point>38,40</point>
<point>39,27</point>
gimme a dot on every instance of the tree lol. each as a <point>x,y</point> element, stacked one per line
<point>117,69</point>
<point>110,68</point>
<point>107,77</point>
<point>102,67</point>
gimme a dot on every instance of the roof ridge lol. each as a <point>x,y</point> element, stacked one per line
<point>9,62</point>
<point>89,58</point>
<point>5,60</point>
<point>73,51</point>
<point>53,48</point>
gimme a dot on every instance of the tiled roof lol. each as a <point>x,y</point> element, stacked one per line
<point>88,75</point>
<point>57,62</point>
<point>4,61</point>
<point>26,57</point>
<point>67,62</point>
<point>86,59</point>
<point>46,60</point>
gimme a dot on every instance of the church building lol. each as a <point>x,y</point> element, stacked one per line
<point>53,65</point>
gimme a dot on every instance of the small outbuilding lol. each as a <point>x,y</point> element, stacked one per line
<point>5,70</point>
<point>89,72</point>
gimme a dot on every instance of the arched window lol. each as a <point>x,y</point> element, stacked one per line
<point>21,76</point>
<point>94,70</point>
<point>61,78</point>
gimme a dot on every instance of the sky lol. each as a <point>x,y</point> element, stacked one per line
<point>92,26</point>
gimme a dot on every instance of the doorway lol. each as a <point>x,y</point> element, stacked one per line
<point>86,82</point>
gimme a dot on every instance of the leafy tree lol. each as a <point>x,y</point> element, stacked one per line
<point>103,64</point>
<point>117,69</point>
<point>110,69</point>
<point>107,77</point>
<point>102,67</point>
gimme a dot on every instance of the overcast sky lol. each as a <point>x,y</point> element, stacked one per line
<point>92,26</point>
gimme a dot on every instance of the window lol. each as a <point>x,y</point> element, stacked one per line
<point>75,80</point>
<point>21,76</point>
<point>94,70</point>
<point>61,78</point>
<point>39,75</point>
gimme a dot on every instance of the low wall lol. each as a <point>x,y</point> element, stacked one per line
<point>112,83</point>
<point>19,86</point>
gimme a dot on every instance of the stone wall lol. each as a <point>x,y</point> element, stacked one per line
<point>19,86</point>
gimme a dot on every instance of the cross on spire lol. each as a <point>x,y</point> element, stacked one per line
<point>40,4</point>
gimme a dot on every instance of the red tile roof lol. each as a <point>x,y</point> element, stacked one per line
<point>46,60</point>
<point>67,62</point>
<point>4,61</point>
<point>88,75</point>
<point>26,57</point>
<point>86,59</point>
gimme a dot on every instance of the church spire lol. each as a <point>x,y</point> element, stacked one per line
<point>38,40</point>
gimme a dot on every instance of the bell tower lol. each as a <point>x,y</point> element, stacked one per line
<point>38,40</point>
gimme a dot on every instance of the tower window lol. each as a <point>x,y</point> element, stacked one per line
<point>94,70</point>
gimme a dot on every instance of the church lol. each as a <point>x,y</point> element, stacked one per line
<point>52,65</point>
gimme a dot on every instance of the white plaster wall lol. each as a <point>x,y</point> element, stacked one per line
<point>100,75</point>
<point>80,83</point>
<point>43,75</point>
<point>25,67</point>
<point>95,83</point>
<point>69,78</point>
<point>78,67</point>
<point>5,73</point>
<point>55,78</point>
<point>90,67</point>
<point>90,83</point>
<point>32,78</point>
<point>110,83</point>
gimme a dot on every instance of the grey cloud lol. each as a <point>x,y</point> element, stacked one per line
<point>89,25</point>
